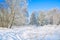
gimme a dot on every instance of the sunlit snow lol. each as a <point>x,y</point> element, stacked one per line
<point>47,32</point>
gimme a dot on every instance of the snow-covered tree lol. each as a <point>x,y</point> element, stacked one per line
<point>49,17</point>
<point>41,18</point>
<point>22,13</point>
<point>56,17</point>
<point>33,19</point>
<point>18,11</point>
<point>11,5</point>
<point>4,16</point>
<point>53,16</point>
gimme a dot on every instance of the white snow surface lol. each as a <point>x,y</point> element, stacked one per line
<point>47,32</point>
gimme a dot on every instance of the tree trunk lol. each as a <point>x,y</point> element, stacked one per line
<point>12,18</point>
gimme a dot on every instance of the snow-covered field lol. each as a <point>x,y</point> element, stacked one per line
<point>47,32</point>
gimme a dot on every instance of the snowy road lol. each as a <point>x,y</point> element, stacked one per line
<point>31,33</point>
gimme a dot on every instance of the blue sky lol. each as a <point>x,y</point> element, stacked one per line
<point>1,0</point>
<point>36,5</point>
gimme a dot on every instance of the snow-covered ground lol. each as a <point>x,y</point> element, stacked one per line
<point>47,32</point>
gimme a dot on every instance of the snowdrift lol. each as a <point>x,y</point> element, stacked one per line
<point>47,32</point>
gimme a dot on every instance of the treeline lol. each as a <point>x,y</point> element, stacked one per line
<point>51,16</point>
<point>15,13</point>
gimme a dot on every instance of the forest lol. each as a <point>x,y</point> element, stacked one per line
<point>15,13</point>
